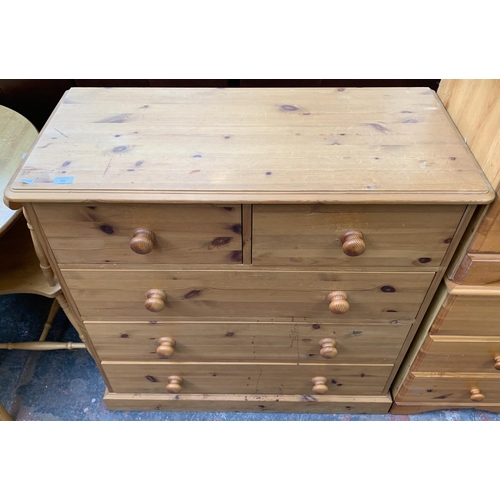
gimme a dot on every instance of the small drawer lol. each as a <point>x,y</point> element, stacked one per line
<point>242,378</point>
<point>448,388</point>
<point>247,342</point>
<point>407,236</point>
<point>459,354</point>
<point>142,234</point>
<point>120,295</point>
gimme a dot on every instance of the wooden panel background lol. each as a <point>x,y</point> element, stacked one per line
<point>474,106</point>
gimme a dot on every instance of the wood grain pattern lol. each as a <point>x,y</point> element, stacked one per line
<point>449,388</point>
<point>478,269</point>
<point>251,295</point>
<point>394,235</point>
<point>487,237</point>
<point>458,354</point>
<point>474,106</point>
<point>242,378</point>
<point>247,230</point>
<point>468,315</point>
<point>247,342</point>
<point>17,135</point>
<point>248,403</point>
<point>101,233</point>
<point>364,145</point>
<point>19,265</point>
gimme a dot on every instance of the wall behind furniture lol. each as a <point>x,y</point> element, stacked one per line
<point>35,99</point>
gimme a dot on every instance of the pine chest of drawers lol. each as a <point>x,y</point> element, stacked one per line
<point>249,249</point>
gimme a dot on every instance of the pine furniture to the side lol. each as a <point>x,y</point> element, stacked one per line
<point>455,359</point>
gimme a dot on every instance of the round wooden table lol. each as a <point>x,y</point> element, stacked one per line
<point>17,135</point>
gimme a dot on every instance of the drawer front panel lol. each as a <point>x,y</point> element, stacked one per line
<point>251,295</point>
<point>449,388</point>
<point>487,237</point>
<point>459,354</point>
<point>468,315</point>
<point>247,342</point>
<point>213,378</point>
<point>103,233</point>
<point>478,270</point>
<point>411,236</point>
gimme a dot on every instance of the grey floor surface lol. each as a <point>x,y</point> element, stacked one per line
<point>67,386</point>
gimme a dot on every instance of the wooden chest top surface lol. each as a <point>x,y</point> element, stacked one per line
<point>365,145</point>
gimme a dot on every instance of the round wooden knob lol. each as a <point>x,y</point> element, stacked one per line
<point>353,243</point>
<point>496,359</point>
<point>174,384</point>
<point>156,300</point>
<point>165,347</point>
<point>338,302</point>
<point>476,395</point>
<point>319,386</point>
<point>142,241</point>
<point>328,350</point>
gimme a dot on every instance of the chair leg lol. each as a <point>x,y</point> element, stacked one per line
<point>4,415</point>
<point>54,309</point>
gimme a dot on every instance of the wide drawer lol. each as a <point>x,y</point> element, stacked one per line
<point>245,294</point>
<point>409,236</point>
<point>468,315</point>
<point>241,378</point>
<point>459,354</point>
<point>120,233</point>
<point>450,388</point>
<point>247,342</point>
<point>478,269</point>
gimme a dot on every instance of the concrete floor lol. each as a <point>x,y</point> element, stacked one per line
<point>66,385</point>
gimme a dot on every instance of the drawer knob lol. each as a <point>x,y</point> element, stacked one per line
<point>156,300</point>
<point>319,386</point>
<point>338,302</point>
<point>496,359</point>
<point>328,350</point>
<point>165,347</point>
<point>174,384</point>
<point>475,395</point>
<point>142,241</point>
<point>353,243</point>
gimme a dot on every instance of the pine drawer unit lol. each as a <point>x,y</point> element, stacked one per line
<point>455,359</point>
<point>249,249</point>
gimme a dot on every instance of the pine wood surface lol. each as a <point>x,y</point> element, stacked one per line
<point>478,269</point>
<point>449,387</point>
<point>102,233</point>
<point>17,135</point>
<point>247,342</point>
<point>458,354</point>
<point>365,145</point>
<point>474,106</point>
<point>245,378</point>
<point>468,315</point>
<point>251,295</point>
<point>19,265</point>
<point>248,403</point>
<point>395,235</point>
<point>487,237</point>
